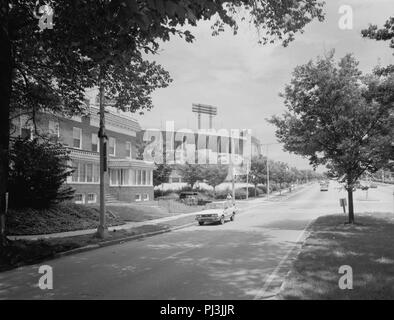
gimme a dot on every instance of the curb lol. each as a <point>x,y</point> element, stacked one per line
<point>119,241</point>
<point>305,236</point>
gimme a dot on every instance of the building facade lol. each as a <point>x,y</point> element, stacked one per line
<point>127,178</point>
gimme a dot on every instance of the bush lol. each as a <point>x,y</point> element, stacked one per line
<point>38,171</point>
<point>252,191</point>
<point>239,194</point>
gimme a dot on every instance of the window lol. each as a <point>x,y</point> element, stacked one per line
<point>138,173</point>
<point>128,150</point>
<point>92,198</point>
<point>112,146</point>
<point>95,143</point>
<point>79,198</point>
<point>137,197</point>
<point>176,180</point>
<point>26,133</point>
<point>130,177</point>
<point>146,197</point>
<point>77,138</point>
<point>143,175</point>
<point>85,172</point>
<point>53,128</point>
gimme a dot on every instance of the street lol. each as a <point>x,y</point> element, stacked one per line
<point>244,259</point>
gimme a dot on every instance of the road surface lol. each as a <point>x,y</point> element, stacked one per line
<point>244,259</point>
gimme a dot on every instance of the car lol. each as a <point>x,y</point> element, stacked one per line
<point>373,185</point>
<point>364,187</point>
<point>217,215</point>
<point>324,187</point>
<point>189,197</point>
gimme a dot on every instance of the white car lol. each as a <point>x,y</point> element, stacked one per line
<point>219,215</point>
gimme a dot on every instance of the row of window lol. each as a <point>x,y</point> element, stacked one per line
<point>77,143</point>
<point>88,172</point>
<point>85,172</point>
<point>81,198</point>
<point>53,128</point>
<point>130,177</point>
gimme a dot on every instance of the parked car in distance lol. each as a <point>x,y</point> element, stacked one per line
<point>217,215</point>
<point>324,186</point>
<point>373,185</point>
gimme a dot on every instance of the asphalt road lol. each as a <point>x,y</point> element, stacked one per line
<point>244,259</point>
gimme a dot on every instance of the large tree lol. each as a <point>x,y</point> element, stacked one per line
<point>99,43</point>
<point>339,118</point>
<point>214,175</point>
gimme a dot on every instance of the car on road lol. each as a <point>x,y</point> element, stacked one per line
<point>373,185</point>
<point>324,187</point>
<point>217,215</point>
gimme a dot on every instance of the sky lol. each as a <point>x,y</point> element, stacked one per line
<point>243,78</point>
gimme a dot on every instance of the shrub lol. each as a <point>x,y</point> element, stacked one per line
<point>38,171</point>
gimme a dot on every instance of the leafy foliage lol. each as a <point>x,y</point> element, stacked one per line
<point>38,171</point>
<point>161,174</point>
<point>214,174</point>
<point>339,118</point>
<point>191,173</point>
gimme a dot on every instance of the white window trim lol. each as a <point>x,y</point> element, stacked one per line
<point>98,142</point>
<point>57,128</point>
<point>80,138</point>
<point>139,197</point>
<point>83,198</point>
<point>147,197</point>
<point>95,198</point>
<point>130,155</point>
<point>146,172</point>
<point>70,178</point>
<point>109,146</point>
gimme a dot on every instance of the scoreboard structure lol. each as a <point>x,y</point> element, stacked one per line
<point>204,109</point>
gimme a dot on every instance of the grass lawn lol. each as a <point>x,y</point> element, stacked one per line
<point>21,252</point>
<point>62,217</point>
<point>367,246</point>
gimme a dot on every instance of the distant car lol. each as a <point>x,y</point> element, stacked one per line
<point>364,187</point>
<point>219,215</point>
<point>373,185</point>
<point>324,187</point>
<point>189,197</point>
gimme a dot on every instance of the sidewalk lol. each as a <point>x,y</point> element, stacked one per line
<point>130,225</point>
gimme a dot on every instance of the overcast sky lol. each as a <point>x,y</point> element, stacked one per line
<point>243,79</point>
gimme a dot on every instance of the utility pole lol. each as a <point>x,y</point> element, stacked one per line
<point>232,181</point>
<point>268,176</point>
<point>247,181</point>
<point>102,228</point>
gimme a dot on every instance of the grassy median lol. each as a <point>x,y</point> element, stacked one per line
<point>367,246</point>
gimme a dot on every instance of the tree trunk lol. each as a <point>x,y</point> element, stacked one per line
<point>6,66</point>
<point>350,200</point>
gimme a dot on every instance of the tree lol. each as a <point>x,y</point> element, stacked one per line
<point>161,174</point>
<point>191,173</point>
<point>339,118</point>
<point>214,175</point>
<point>279,172</point>
<point>383,34</point>
<point>38,172</point>
<point>99,43</point>
<point>258,171</point>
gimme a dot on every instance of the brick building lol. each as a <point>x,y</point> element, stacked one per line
<point>127,178</point>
